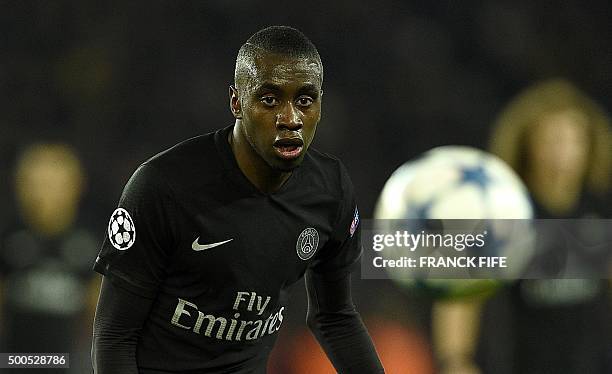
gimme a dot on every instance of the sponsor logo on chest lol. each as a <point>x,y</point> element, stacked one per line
<point>188,316</point>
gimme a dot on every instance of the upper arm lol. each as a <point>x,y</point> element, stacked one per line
<point>343,250</point>
<point>139,236</point>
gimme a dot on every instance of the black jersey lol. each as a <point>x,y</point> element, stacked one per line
<point>218,255</point>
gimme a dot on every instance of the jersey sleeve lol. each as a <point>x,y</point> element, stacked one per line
<point>343,250</point>
<point>139,237</point>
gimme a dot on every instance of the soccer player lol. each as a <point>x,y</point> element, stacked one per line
<point>209,234</point>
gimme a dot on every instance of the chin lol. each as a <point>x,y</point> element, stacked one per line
<point>285,165</point>
<point>287,168</point>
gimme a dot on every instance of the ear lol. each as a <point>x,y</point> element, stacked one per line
<point>235,106</point>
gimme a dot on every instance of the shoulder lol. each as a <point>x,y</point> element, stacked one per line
<point>592,205</point>
<point>589,205</point>
<point>188,155</point>
<point>187,162</point>
<point>329,171</point>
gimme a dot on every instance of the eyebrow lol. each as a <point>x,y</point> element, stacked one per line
<point>267,86</point>
<point>309,89</point>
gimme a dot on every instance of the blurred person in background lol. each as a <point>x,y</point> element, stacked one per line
<point>559,142</point>
<point>48,291</point>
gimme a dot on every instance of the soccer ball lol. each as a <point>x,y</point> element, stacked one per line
<point>456,182</point>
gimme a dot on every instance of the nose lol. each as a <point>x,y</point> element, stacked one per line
<point>289,117</point>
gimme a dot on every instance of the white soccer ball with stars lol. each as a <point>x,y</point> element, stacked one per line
<point>456,182</point>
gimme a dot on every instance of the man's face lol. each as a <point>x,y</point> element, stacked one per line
<point>279,108</point>
<point>559,143</point>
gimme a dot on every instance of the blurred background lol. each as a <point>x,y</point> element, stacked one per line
<point>95,88</point>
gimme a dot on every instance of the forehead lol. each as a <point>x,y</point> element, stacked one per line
<point>569,120</point>
<point>284,70</point>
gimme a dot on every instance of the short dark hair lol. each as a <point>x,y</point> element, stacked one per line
<point>282,40</point>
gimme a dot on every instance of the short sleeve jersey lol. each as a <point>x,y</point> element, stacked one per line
<point>217,255</point>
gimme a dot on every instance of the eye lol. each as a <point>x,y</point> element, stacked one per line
<point>304,101</point>
<point>269,101</point>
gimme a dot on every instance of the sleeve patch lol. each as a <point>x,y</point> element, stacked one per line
<point>121,230</point>
<point>355,222</point>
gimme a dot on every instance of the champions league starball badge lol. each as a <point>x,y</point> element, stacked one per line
<point>307,243</point>
<point>121,230</point>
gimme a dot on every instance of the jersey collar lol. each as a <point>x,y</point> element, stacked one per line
<point>230,165</point>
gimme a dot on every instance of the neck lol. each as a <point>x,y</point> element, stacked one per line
<point>254,168</point>
<point>556,192</point>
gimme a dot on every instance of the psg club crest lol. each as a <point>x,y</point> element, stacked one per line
<point>121,230</point>
<point>307,243</point>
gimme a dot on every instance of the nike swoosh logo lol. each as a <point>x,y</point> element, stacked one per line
<point>200,247</point>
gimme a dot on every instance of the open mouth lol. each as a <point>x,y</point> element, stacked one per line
<point>288,148</point>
